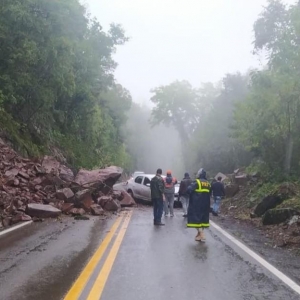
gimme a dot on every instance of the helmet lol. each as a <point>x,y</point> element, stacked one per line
<point>169,172</point>
<point>201,173</point>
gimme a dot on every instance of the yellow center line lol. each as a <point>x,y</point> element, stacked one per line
<point>77,288</point>
<point>100,282</point>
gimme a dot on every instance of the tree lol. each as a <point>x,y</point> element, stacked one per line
<point>177,105</point>
<point>273,105</point>
<point>57,82</point>
<point>203,118</point>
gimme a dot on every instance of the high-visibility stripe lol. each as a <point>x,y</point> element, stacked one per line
<point>197,225</point>
<point>200,189</point>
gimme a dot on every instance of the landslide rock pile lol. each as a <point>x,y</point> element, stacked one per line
<point>33,190</point>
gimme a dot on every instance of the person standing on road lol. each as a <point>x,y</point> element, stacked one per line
<point>169,193</point>
<point>218,192</point>
<point>199,206</point>
<point>157,192</point>
<point>183,195</point>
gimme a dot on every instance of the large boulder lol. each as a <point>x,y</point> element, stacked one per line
<point>112,205</point>
<point>103,199</point>
<point>42,211</point>
<point>277,216</point>
<point>108,203</point>
<point>231,190</point>
<point>99,179</point>
<point>267,203</point>
<point>127,200</point>
<point>84,200</point>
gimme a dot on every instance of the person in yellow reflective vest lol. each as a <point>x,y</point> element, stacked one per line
<point>199,206</point>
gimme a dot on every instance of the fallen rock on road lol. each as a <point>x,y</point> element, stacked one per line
<point>47,188</point>
<point>42,211</point>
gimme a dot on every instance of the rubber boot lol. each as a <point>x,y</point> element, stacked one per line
<point>202,236</point>
<point>198,236</point>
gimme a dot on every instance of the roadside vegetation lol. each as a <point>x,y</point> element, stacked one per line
<point>57,85</point>
<point>247,121</point>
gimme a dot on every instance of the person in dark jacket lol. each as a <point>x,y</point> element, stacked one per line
<point>157,190</point>
<point>182,193</point>
<point>218,192</point>
<point>199,206</point>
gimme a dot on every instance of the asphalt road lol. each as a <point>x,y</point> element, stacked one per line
<point>128,258</point>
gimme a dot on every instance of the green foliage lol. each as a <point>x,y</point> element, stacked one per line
<point>267,123</point>
<point>177,105</point>
<point>57,82</point>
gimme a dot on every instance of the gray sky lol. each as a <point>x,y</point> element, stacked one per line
<point>196,40</point>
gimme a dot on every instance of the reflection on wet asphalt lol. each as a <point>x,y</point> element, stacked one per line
<point>42,261</point>
<point>166,263</point>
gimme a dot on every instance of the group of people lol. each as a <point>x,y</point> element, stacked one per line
<point>194,195</point>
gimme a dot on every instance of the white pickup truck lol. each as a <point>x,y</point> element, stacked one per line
<point>139,187</point>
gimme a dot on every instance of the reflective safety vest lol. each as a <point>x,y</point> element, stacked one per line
<point>203,186</point>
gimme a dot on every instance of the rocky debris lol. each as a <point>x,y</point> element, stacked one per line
<point>84,199</point>
<point>99,179</point>
<point>267,203</point>
<point>47,188</point>
<point>109,204</point>
<point>81,195</point>
<point>126,200</point>
<point>51,165</point>
<point>67,207</point>
<point>277,216</point>
<point>42,211</point>
<point>294,220</point>
<point>81,218</point>
<point>66,174</point>
<point>97,210</point>
<point>77,211</point>
<point>241,179</point>
<point>112,205</point>
<point>286,190</point>
<point>7,222</point>
<point>65,194</point>
<point>103,199</point>
<point>20,217</point>
<point>231,190</point>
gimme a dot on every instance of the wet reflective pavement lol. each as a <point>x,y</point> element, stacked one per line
<point>42,261</point>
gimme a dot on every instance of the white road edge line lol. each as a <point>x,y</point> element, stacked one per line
<point>293,285</point>
<point>14,228</point>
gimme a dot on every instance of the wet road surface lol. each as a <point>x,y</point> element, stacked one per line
<point>135,260</point>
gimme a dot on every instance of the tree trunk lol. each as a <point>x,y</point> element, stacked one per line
<point>288,154</point>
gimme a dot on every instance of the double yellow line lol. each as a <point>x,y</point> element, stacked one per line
<point>99,284</point>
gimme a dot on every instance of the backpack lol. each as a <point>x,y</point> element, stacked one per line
<point>169,180</point>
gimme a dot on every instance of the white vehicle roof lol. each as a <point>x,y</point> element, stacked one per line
<point>149,175</point>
